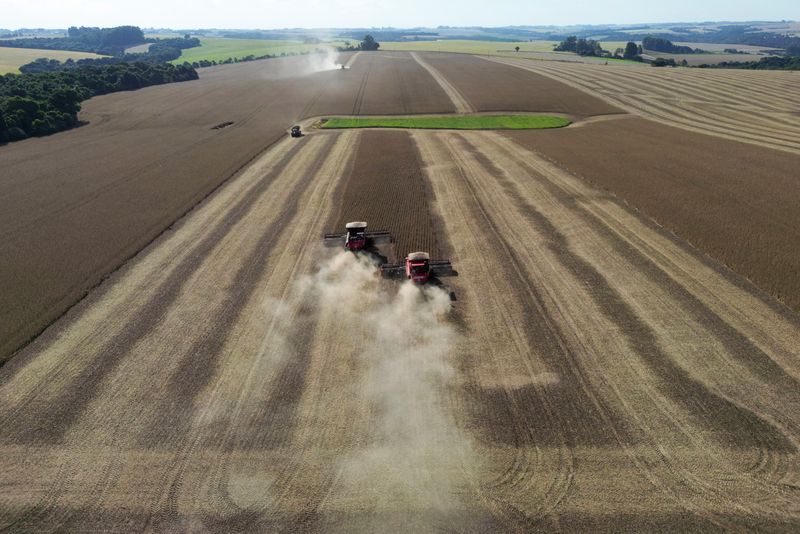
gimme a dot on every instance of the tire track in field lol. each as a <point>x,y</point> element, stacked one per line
<point>578,367</point>
<point>198,365</point>
<point>776,440</point>
<point>114,428</point>
<point>764,365</point>
<point>359,100</point>
<point>55,414</point>
<point>322,177</point>
<point>511,361</point>
<point>737,124</point>
<point>482,173</point>
<point>55,418</point>
<point>461,104</point>
<point>352,59</point>
<point>654,86</point>
<point>480,163</point>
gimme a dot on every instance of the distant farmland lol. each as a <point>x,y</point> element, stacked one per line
<point>544,50</point>
<point>469,46</point>
<point>12,58</point>
<point>220,49</point>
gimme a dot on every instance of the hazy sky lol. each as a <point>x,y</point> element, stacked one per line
<point>266,14</point>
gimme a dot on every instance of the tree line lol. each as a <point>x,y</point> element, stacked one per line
<point>161,51</point>
<point>108,42</point>
<point>582,47</point>
<point>37,104</point>
<point>105,41</point>
<point>368,43</point>
<point>765,63</point>
<point>665,45</point>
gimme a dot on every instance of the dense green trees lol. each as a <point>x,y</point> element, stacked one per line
<point>766,63</point>
<point>42,103</point>
<point>664,45</point>
<point>106,41</point>
<point>369,43</point>
<point>160,52</point>
<point>582,47</point>
<point>631,51</point>
<point>662,62</point>
<point>110,42</point>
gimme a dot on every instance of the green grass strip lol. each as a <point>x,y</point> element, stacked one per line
<point>454,122</point>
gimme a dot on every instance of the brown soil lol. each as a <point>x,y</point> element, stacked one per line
<point>606,363</point>
<point>596,374</point>
<point>734,201</point>
<point>386,188</point>
<point>490,86</point>
<point>750,106</point>
<point>74,206</point>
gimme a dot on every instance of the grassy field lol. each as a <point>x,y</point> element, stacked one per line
<point>220,49</point>
<point>454,122</point>
<point>12,58</point>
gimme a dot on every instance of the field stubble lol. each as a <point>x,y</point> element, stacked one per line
<point>595,373</point>
<point>756,107</point>
<point>100,193</point>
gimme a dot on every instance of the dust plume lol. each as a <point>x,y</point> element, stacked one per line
<point>411,460</point>
<point>324,59</point>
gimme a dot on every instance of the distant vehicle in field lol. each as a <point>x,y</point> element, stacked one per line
<point>419,268</point>
<point>296,131</point>
<point>356,237</point>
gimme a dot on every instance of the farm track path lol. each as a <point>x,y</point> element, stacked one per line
<point>461,104</point>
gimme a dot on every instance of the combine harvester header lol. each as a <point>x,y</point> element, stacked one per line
<point>419,268</point>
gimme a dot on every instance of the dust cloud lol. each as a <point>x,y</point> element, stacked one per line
<point>325,59</point>
<point>411,462</point>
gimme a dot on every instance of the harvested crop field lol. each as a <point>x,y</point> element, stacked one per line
<point>735,201</point>
<point>491,86</point>
<point>593,374</point>
<point>96,195</point>
<point>387,189</point>
<point>757,107</point>
<point>11,59</point>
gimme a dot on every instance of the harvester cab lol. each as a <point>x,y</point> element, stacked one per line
<point>419,268</point>
<point>356,237</point>
<point>296,132</point>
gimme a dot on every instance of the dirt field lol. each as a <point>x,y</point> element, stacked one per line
<point>98,194</point>
<point>489,86</point>
<point>387,189</point>
<point>11,59</point>
<point>735,201</point>
<point>758,107</point>
<point>593,374</point>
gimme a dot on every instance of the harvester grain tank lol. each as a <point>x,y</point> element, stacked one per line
<point>419,268</point>
<point>356,237</point>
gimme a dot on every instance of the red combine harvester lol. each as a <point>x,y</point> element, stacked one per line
<point>356,237</point>
<point>419,268</point>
